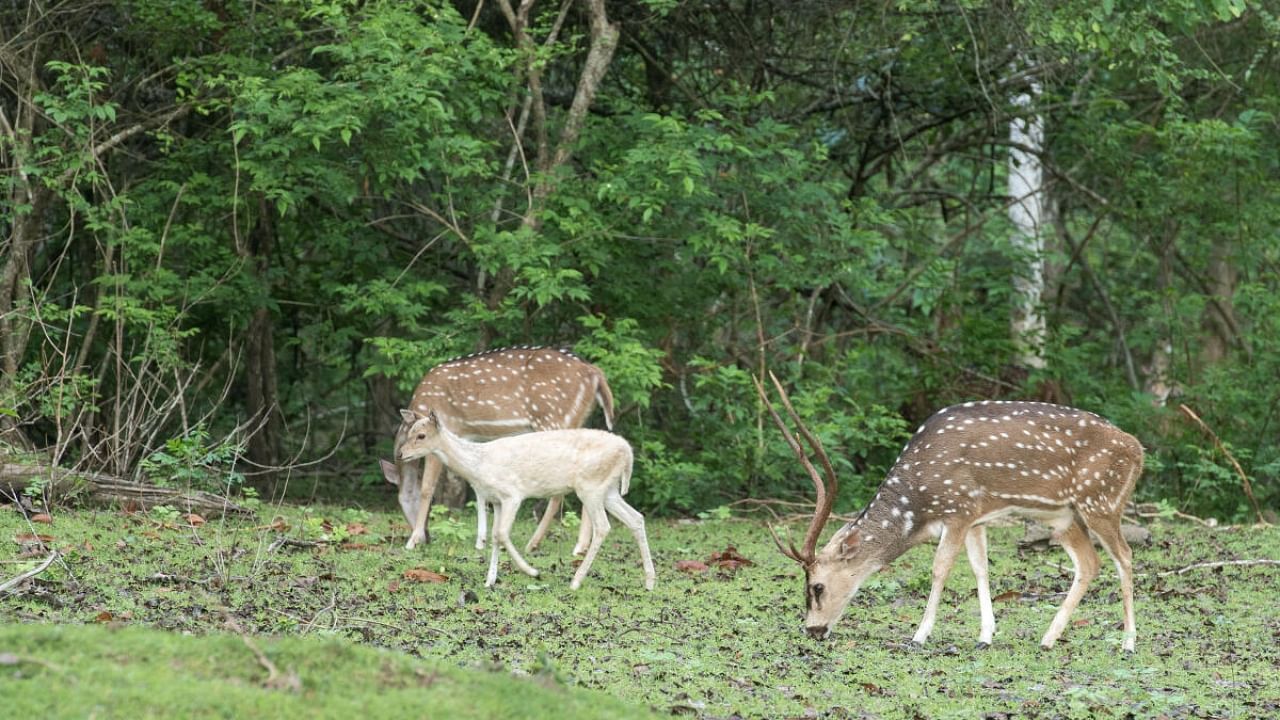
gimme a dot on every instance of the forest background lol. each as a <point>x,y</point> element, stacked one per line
<point>235,234</point>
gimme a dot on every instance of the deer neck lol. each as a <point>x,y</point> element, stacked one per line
<point>461,456</point>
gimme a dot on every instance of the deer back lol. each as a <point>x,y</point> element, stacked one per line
<point>978,460</point>
<point>513,390</point>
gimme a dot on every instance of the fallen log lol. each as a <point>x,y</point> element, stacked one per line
<point>109,489</point>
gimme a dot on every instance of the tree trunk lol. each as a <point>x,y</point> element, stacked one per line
<point>1027,213</point>
<point>265,446</point>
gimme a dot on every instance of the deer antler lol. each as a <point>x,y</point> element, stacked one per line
<point>826,491</point>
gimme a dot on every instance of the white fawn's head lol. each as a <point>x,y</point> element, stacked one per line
<point>421,434</point>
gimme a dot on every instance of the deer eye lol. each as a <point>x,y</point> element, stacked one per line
<point>422,436</point>
<point>817,590</point>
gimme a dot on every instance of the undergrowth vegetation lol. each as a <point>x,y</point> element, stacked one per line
<point>719,637</point>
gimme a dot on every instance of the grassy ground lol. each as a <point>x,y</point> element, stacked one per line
<point>715,643</point>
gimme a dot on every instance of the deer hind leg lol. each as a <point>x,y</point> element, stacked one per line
<point>503,519</point>
<point>1107,528</point>
<point>431,471</point>
<point>593,508</point>
<point>634,521</point>
<point>975,542</point>
<point>1075,540</point>
<point>953,538</point>
<point>584,535</point>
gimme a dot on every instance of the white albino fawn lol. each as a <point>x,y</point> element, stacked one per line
<point>594,464</point>
<point>493,394</point>
<point>966,465</point>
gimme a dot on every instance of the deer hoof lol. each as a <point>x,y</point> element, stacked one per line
<point>982,645</point>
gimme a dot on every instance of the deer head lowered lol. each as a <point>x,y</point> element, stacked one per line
<point>966,465</point>
<point>494,394</point>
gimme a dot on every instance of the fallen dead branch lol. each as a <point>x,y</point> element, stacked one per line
<point>1244,479</point>
<point>1217,564</point>
<point>4,587</point>
<point>108,489</point>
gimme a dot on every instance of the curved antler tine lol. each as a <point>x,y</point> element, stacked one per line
<point>791,553</point>
<point>825,494</point>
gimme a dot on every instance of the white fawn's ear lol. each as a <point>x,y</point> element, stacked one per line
<point>390,471</point>
<point>408,417</point>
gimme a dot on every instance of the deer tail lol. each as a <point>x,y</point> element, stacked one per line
<point>604,396</point>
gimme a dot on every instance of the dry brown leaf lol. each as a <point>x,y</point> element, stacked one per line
<point>194,520</point>
<point>42,518</point>
<point>691,566</point>
<point>355,528</point>
<point>1010,595</point>
<point>32,538</point>
<point>426,576</point>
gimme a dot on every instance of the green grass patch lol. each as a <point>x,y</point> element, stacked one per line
<point>77,671</point>
<point>717,643</point>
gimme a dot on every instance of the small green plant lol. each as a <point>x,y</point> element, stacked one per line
<point>164,515</point>
<point>722,512</point>
<point>35,488</point>
<point>194,461</point>
<point>448,528</point>
<point>570,519</point>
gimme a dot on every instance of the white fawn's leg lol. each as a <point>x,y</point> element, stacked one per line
<point>584,535</point>
<point>432,467</point>
<point>634,521</point>
<point>949,545</point>
<point>1075,540</point>
<point>502,522</point>
<point>491,577</point>
<point>592,507</point>
<point>975,542</point>
<point>1107,528</point>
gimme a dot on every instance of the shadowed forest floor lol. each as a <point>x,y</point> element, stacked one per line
<point>719,642</point>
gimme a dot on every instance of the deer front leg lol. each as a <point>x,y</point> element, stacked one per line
<point>976,545</point>
<point>432,468</point>
<point>948,547</point>
<point>503,520</point>
<point>491,578</point>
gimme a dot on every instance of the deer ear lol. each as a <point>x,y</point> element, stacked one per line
<point>432,419</point>
<point>390,471</point>
<point>849,543</point>
<point>408,417</point>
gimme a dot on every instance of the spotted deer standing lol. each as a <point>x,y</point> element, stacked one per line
<point>495,394</point>
<point>966,465</point>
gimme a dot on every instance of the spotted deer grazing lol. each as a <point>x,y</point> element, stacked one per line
<point>490,395</point>
<point>967,465</point>
<point>593,464</point>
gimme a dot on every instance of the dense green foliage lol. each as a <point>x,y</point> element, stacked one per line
<point>716,643</point>
<point>264,222</point>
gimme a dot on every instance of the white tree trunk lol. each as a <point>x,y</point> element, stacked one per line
<point>1027,213</point>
